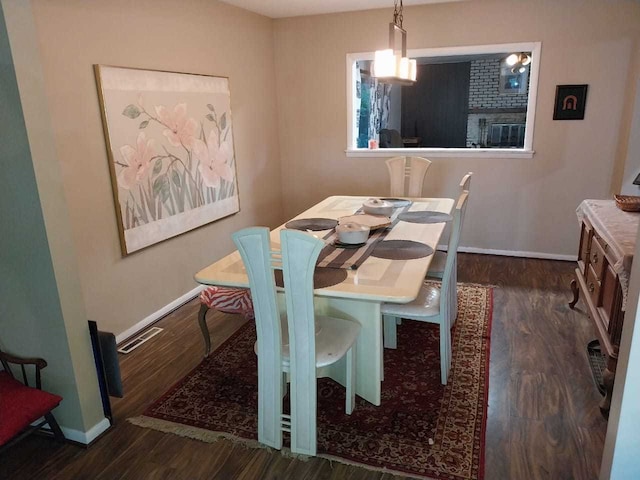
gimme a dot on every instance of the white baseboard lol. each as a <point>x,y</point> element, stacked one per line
<point>86,438</point>
<point>514,253</point>
<point>155,316</point>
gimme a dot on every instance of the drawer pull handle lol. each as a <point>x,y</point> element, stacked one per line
<point>594,257</point>
<point>591,287</point>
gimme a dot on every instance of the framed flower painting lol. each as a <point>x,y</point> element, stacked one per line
<point>170,147</point>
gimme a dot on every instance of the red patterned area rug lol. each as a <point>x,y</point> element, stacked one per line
<point>422,429</point>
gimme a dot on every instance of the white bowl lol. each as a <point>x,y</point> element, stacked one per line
<point>352,233</point>
<point>375,206</point>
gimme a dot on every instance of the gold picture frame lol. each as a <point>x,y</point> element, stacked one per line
<point>169,139</point>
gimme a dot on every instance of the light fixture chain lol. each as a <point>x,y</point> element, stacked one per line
<point>397,13</point>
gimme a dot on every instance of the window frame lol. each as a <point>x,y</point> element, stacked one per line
<point>526,152</point>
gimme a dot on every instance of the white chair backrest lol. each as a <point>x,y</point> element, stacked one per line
<point>465,183</point>
<point>297,260</point>
<point>255,250</point>
<point>299,255</point>
<point>416,172</point>
<point>454,240</point>
<point>396,167</point>
<point>411,170</point>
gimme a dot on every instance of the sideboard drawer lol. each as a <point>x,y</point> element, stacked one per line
<point>596,257</point>
<point>585,242</point>
<point>593,286</point>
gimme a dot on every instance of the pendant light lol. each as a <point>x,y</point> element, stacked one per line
<point>518,62</point>
<point>388,67</point>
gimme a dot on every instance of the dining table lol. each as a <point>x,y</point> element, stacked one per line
<point>364,279</point>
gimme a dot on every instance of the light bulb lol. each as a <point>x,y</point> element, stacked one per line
<point>512,59</point>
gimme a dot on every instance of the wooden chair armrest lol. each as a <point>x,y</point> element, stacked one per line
<point>38,362</point>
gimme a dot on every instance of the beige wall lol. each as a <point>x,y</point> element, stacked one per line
<point>198,36</point>
<point>632,163</point>
<point>516,205</point>
<point>42,313</point>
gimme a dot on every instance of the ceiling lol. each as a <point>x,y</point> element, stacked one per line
<point>296,8</point>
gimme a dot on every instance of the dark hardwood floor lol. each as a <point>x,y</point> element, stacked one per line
<point>543,422</point>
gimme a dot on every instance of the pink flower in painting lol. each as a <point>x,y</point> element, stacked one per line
<point>181,130</point>
<point>214,160</point>
<point>138,161</point>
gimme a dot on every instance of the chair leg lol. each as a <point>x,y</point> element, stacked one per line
<point>270,418</point>
<point>202,320</point>
<point>55,428</point>
<point>454,293</point>
<point>389,325</point>
<point>351,380</point>
<point>445,352</point>
<point>304,429</point>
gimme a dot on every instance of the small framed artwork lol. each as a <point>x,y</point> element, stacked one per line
<point>570,102</point>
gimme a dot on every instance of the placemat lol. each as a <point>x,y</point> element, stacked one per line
<point>401,250</point>
<point>322,277</point>
<point>351,258</point>
<point>313,224</point>
<point>425,217</point>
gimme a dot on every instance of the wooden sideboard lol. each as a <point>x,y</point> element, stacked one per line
<point>602,278</point>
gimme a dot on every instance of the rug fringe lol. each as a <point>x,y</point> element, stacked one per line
<point>434,281</point>
<point>208,436</point>
<point>478,285</point>
<point>195,433</point>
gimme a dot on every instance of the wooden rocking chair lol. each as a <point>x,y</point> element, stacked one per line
<point>21,405</point>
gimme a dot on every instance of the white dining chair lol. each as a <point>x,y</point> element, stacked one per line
<point>298,344</point>
<point>406,175</point>
<point>436,268</point>
<point>433,304</point>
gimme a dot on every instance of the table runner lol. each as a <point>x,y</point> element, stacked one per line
<point>333,257</point>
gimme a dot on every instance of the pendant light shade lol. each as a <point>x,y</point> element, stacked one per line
<point>389,65</point>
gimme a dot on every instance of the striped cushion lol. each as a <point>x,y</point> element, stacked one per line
<point>228,300</point>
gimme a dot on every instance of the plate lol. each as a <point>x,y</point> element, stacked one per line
<point>339,244</point>
<point>371,221</point>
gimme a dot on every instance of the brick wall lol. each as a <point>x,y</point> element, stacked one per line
<point>484,87</point>
<point>484,93</point>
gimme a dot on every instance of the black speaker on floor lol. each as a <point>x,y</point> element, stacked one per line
<point>105,355</point>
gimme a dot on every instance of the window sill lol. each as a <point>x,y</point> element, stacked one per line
<point>442,152</point>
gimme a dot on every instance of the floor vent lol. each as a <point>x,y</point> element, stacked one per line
<point>598,364</point>
<point>139,340</point>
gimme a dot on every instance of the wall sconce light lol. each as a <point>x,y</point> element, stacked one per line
<point>388,67</point>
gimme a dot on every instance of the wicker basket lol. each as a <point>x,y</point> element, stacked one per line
<point>627,203</point>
